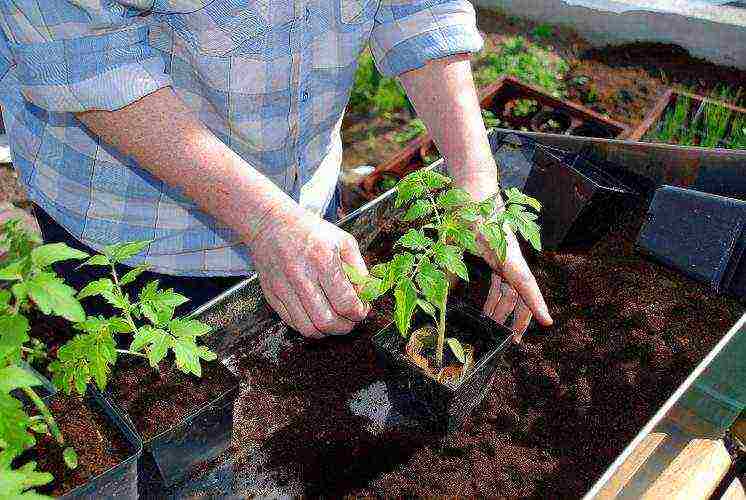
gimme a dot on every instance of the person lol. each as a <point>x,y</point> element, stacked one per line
<point>212,129</point>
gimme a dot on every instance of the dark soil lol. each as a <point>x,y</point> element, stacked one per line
<point>627,332</point>
<point>99,446</point>
<point>156,401</point>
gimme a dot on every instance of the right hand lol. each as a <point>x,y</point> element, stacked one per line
<point>299,260</point>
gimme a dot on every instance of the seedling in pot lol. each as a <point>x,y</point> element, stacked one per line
<point>448,222</point>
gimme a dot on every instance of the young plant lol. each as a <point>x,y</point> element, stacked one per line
<point>715,124</point>
<point>447,224</point>
<point>148,320</point>
<point>672,128</point>
<point>413,130</point>
<point>738,133</point>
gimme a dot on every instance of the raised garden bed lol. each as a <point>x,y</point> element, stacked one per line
<point>690,120</point>
<point>319,417</point>
<point>511,104</point>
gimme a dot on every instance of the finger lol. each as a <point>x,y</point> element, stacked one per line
<point>506,304</point>
<point>318,309</point>
<point>525,284</point>
<point>521,320</point>
<point>342,296</point>
<point>493,296</point>
<point>349,251</point>
<point>297,316</point>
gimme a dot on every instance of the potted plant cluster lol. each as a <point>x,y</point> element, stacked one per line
<point>446,354</point>
<point>82,355</point>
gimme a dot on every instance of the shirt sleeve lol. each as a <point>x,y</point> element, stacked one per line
<point>408,33</point>
<point>74,58</point>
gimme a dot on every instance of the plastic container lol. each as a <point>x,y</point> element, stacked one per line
<point>443,408</point>
<point>700,234</point>
<point>580,200</point>
<point>120,482</point>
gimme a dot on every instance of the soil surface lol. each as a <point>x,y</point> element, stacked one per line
<point>99,446</point>
<point>156,401</point>
<point>627,332</point>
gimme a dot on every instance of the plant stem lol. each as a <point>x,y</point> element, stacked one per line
<point>46,414</point>
<point>132,353</point>
<point>441,332</point>
<point>127,315</point>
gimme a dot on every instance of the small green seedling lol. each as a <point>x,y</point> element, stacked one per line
<point>448,222</point>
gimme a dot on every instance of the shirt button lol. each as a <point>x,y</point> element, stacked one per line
<point>304,97</point>
<point>308,13</point>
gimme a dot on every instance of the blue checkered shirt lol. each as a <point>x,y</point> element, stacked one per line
<point>270,78</point>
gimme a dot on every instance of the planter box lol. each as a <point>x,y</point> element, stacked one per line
<point>699,234</point>
<point>667,102</point>
<point>445,407</point>
<point>500,98</point>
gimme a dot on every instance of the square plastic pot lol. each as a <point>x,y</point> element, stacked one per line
<point>444,408</point>
<point>580,201</point>
<point>700,234</point>
<point>198,437</point>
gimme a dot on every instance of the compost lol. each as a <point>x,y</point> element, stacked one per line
<point>100,446</point>
<point>627,332</point>
<point>156,401</point>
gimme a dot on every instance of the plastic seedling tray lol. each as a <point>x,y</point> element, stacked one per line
<point>443,408</point>
<point>580,200</point>
<point>197,437</point>
<point>120,482</point>
<point>700,234</point>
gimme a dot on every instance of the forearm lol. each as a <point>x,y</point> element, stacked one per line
<point>165,138</point>
<point>444,95</point>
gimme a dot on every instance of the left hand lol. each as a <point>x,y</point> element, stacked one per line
<point>513,289</point>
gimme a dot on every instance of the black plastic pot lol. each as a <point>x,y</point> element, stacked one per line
<point>540,121</point>
<point>580,200</point>
<point>444,408</point>
<point>700,234</point>
<point>197,437</point>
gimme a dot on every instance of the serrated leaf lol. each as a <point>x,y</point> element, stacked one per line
<point>371,290</point>
<point>354,274</point>
<point>433,283</point>
<point>410,187</point>
<point>116,299</point>
<point>379,270</point>
<point>119,325</point>
<point>46,255</point>
<point>13,426</point>
<point>18,484</point>
<point>457,349</point>
<point>400,266</point>
<point>469,213</point>
<point>97,260</point>
<point>96,288</point>
<point>495,238</point>
<point>20,291</point>
<point>12,272</point>
<point>122,252</point>
<point>516,196</point>
<point>14,331</point>
<point>415,239</point>
<point>187,354</point>
<point>188,328</point>
<point>435,180</point>
<point>406,300</point>
<point>132,275</point>
<point>419,208</point>
<point>427,307</point>
<point>52,296</point>
<point>526,225</point>
<point>85,357</point>
<point>453,198</point>
<point>155,341</point>
<point>487,207</point>
<point>450,257</point>
<point>14,377</point>
<point>70,457</point>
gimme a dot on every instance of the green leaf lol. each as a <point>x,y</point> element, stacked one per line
<point>96,288</point>
<point>20,291</point>
<point>97,260</point>
<point>495,237</point>
<point>14,377</point>
<point>399,267</point>
<point>85,357</point>
<point>410,187</point>
<point>119,325</point>
<point>454,230</point>
<point>70,457</point>
<point>451,258</point>
<point>435,180</point>
<point>155,340</point>
<point>122,252</point>
<point>52,296</point>
<point>13,335</point>
<point>516,196</point>
<point>457,349</point>
<point>427,307</point>
<point>18,483</point>
<point>132,275</point>
<point>406,300</point>
<point>188,355</point>
<point>379,270</point>
<point>46,255</point>
<point>188,328</point>
<point>12,272</point>
<point>469,213</point>
<point>117,299</point>
<point>371,290</point>
<point>419,208</point>
<point>13,426</point>
<point>487,207</point>
<point>415,239</point>
<point>525,223</point>
<point>453,198</point>
<point>433,283</point>
<point>354,274</point>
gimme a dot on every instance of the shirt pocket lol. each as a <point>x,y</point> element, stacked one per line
<point>222,27</point>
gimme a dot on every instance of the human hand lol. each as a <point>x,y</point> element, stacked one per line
<point>299,260</point>
<point>513,288</point>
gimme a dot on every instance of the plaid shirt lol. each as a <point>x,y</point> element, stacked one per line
<point>270,78</point>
